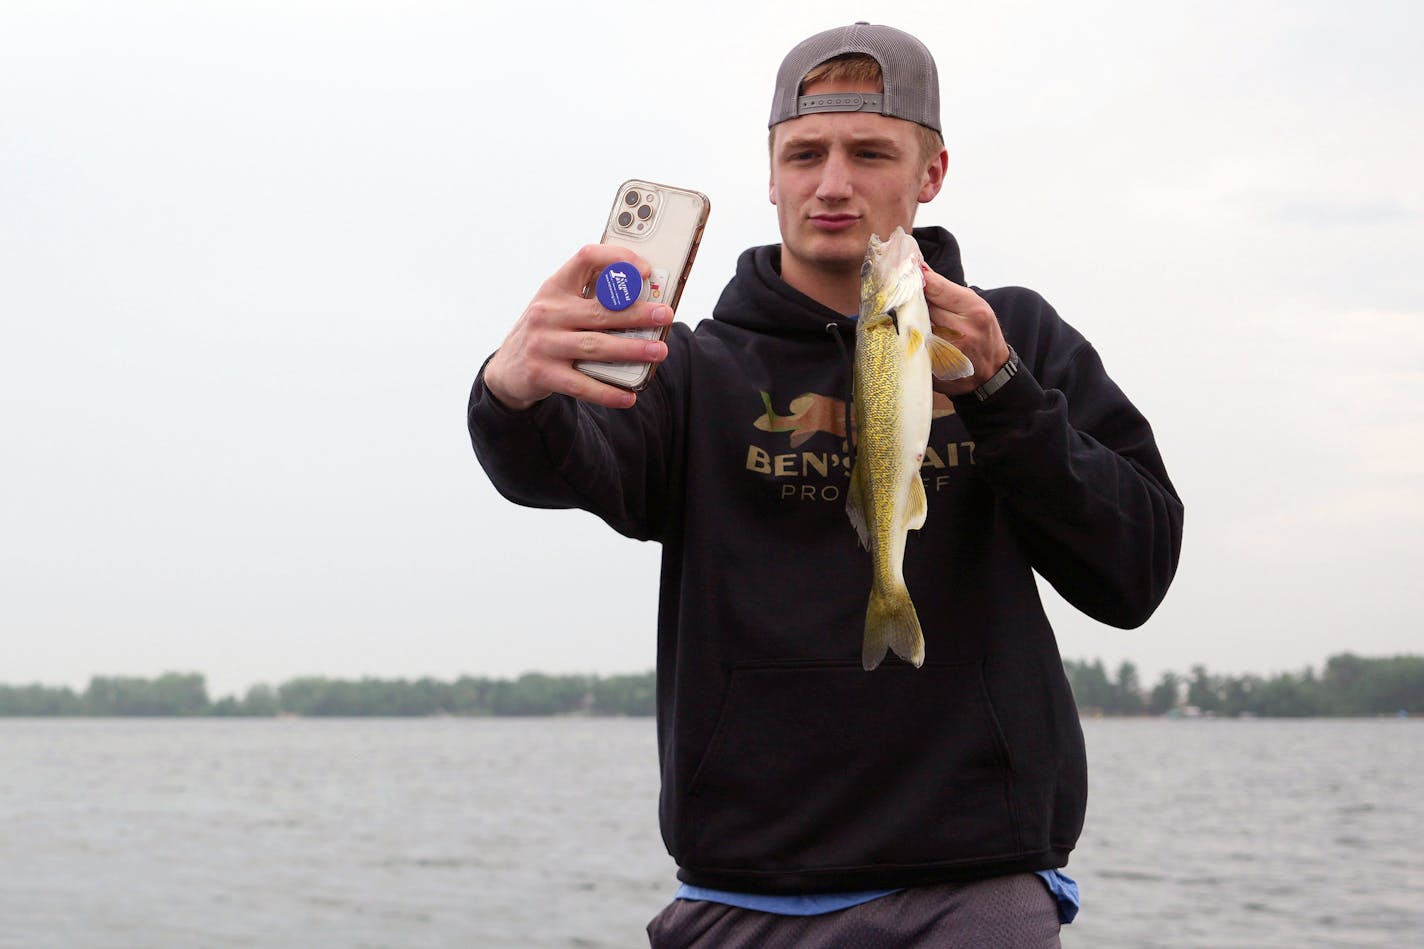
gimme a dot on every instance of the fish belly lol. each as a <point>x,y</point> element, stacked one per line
<point>893,408</point>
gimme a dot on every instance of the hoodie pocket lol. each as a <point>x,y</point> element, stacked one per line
<point>825,765</point>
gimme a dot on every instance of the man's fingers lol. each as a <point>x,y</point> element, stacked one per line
<point>580,269</point>
<point>591,314</point>
<point>944,293</point>
<point>560,313</point>
<point>588,389</point>
<point>561,327</point>
<point>594,346</point>
<point>585,388</point>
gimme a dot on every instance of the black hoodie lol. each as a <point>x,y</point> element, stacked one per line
<point>786,767</point>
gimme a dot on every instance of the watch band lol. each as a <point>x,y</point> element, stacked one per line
<point>997,380</point>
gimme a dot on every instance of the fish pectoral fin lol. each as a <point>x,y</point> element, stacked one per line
<point>855,505</point>
<point>916,341</point>
<point>918,507</point>
<point>946,361</point>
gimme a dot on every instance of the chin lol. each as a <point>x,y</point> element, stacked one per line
<point>839,248</point>
<point>848,256</point>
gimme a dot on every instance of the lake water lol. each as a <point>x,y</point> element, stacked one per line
<point>543,832</point>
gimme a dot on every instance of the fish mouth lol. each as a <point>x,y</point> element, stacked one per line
<point>892,253</point>
<point>888,266</point>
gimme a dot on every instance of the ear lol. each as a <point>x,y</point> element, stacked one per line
<point>771,162</point>
<point>933,179</point>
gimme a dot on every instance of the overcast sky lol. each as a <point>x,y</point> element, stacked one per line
<point>251,255</point>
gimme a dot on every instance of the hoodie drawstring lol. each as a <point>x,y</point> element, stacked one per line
<point>834,330</point>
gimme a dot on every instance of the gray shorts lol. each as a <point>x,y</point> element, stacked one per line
<point>1011,911</point>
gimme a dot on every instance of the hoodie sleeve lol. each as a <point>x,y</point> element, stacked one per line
<point>562,453</point>
<point>1076,469</point>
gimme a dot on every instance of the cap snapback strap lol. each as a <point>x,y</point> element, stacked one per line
<point>840,102</point>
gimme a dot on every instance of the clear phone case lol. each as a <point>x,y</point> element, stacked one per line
<point>664,225</point>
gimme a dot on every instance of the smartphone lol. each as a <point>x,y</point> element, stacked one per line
<point>664,225</point>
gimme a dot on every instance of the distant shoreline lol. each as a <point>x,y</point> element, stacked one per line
<point>1349,686</point>
<point>1208,719</point>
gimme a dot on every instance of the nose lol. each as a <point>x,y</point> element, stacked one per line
<point>835,178</point>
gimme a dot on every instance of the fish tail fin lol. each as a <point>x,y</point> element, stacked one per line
<point>891,623</point>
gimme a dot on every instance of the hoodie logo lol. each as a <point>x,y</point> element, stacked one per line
<point>808,414</point>
<point>814,475</point>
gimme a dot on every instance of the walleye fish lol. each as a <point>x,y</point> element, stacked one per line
<point>896,352</point>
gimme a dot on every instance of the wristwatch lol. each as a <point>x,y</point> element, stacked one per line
<point>997,380</point>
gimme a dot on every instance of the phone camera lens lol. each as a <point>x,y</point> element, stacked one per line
<point>625,219</point>
<point>631,198</point>
<point>644,213</point>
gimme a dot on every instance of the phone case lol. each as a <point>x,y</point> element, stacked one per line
<point>664,225</point>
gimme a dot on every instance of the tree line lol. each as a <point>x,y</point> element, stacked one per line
<point>186,694</point>
<point>1349,685</point>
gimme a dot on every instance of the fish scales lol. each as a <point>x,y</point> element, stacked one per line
<point>881,447</point>
<point>896,355</point>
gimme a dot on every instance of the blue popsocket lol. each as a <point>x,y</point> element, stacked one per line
<point>618,286</point>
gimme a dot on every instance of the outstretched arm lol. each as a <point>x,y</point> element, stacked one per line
<point>549,435</point>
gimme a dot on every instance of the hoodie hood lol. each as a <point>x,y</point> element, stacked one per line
<point>758,299</point>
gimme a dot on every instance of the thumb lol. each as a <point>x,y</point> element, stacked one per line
<point>935,293</point>
<point>941,293</point>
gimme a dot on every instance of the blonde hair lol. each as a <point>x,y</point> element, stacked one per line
<point>858,67</point>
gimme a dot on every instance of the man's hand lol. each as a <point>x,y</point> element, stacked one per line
<point>560,327</point>
<point>974,330</point>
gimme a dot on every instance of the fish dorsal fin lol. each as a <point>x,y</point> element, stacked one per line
<point>916,340</point>
<point>946,361</point>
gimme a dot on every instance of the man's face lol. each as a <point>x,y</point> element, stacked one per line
<point>838,177</point>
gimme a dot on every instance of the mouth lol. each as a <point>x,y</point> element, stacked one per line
<point>834,222</point>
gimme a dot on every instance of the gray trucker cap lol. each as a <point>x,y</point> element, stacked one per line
<point>911,80</point>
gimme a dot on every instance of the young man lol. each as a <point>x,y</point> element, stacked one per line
<point>805,799</point>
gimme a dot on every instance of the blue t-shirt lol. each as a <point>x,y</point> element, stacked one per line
<point>1063,887</point>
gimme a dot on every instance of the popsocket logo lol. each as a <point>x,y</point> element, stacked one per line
<point>618,286</point>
